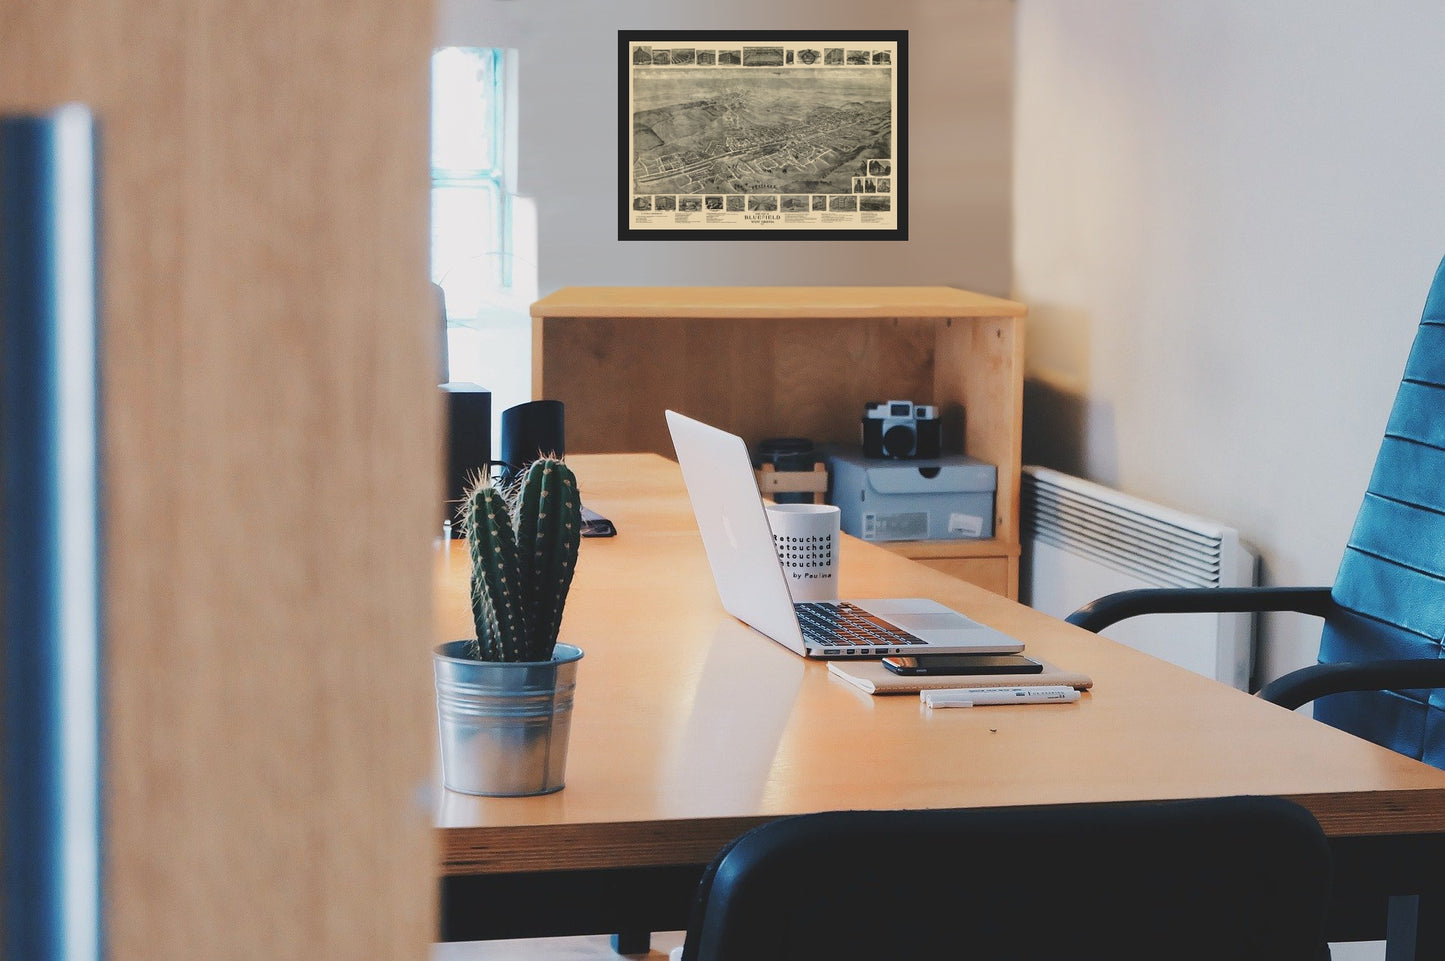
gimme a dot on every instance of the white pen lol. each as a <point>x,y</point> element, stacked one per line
<point>982,696</point>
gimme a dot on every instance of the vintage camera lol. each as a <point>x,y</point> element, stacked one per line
<point>901,429</point>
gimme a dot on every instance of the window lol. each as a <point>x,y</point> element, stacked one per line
<point>475,223</point>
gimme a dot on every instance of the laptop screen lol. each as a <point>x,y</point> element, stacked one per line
<point>734,527</point>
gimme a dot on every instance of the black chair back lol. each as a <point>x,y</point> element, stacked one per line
<point>1237,878</point>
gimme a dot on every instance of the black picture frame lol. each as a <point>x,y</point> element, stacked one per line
<point>762,135</point>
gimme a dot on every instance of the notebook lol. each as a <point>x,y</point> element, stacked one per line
<point>753,587</point>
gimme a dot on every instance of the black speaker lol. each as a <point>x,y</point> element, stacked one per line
<point>469,442</point>
<point>530,431</point>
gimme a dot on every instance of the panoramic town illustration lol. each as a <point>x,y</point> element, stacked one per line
<point>793,131</point>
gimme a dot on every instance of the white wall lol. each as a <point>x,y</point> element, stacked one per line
<point>1224,219</point>
<point>959,140</point>
<point>1227,216</point>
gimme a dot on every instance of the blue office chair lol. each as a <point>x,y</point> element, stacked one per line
<point>1238,878</point>
<point>1381,663</point>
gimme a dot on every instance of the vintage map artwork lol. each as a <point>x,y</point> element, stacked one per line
<point>728,135</point>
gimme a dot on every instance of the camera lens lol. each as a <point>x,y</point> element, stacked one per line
<point>899,440</point>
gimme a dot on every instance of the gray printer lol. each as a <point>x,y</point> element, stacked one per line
<point>943,498</point>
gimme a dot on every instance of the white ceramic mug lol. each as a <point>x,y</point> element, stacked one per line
<point>806,537</point>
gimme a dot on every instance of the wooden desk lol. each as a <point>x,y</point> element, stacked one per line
<point>690,728</point>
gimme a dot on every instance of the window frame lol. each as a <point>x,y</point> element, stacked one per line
<point>491,176</point>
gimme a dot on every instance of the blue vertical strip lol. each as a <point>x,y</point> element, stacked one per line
<point>50,700</point>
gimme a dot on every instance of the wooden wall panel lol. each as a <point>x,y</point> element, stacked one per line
<point>762,378</point>
<point>992,381</point>
<point>271,438</point>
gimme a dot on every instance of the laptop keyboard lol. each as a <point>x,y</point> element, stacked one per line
<point>845,626</point>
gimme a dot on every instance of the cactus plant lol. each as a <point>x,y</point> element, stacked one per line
<point>523,544</point>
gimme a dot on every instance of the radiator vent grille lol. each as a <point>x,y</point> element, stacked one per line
<point>1082,541</point>
<point>1161,547</point>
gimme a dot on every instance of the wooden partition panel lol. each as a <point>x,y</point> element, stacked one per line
<point>760,377</point>
<point>271,477</point>
<point>983,366</point>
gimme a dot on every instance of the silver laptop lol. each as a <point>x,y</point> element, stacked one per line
<point>754,588</point>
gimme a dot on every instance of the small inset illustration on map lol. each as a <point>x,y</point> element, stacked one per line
<point>809,124</point>
<point>874,202</point>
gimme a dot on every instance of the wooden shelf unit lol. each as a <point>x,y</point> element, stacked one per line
<point>795,361</point>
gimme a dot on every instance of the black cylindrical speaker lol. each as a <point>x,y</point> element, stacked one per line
<point>530,431</point>
<point>469,442</point>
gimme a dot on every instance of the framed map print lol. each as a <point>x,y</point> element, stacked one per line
<point>777,135</point>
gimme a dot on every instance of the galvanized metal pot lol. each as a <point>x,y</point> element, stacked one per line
<point>504,726</point>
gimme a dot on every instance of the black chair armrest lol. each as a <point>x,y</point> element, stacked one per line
<point>1304,685</point>
<point>1099,614</point>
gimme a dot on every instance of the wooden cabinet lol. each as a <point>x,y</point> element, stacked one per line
<point>794,361</point>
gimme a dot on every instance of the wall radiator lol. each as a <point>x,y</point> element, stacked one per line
<point>1082,541</point>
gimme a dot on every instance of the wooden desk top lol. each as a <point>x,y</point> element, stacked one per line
<point>689,727</point>
<point>772,302</point>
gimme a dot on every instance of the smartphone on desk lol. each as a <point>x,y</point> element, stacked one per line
<point>936,664</point>
<point>595,525</point>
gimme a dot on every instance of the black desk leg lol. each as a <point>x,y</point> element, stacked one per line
<point>632,942</point>
<point>1416,928</point>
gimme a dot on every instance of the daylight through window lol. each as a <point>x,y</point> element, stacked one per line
<point>479,224</point>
